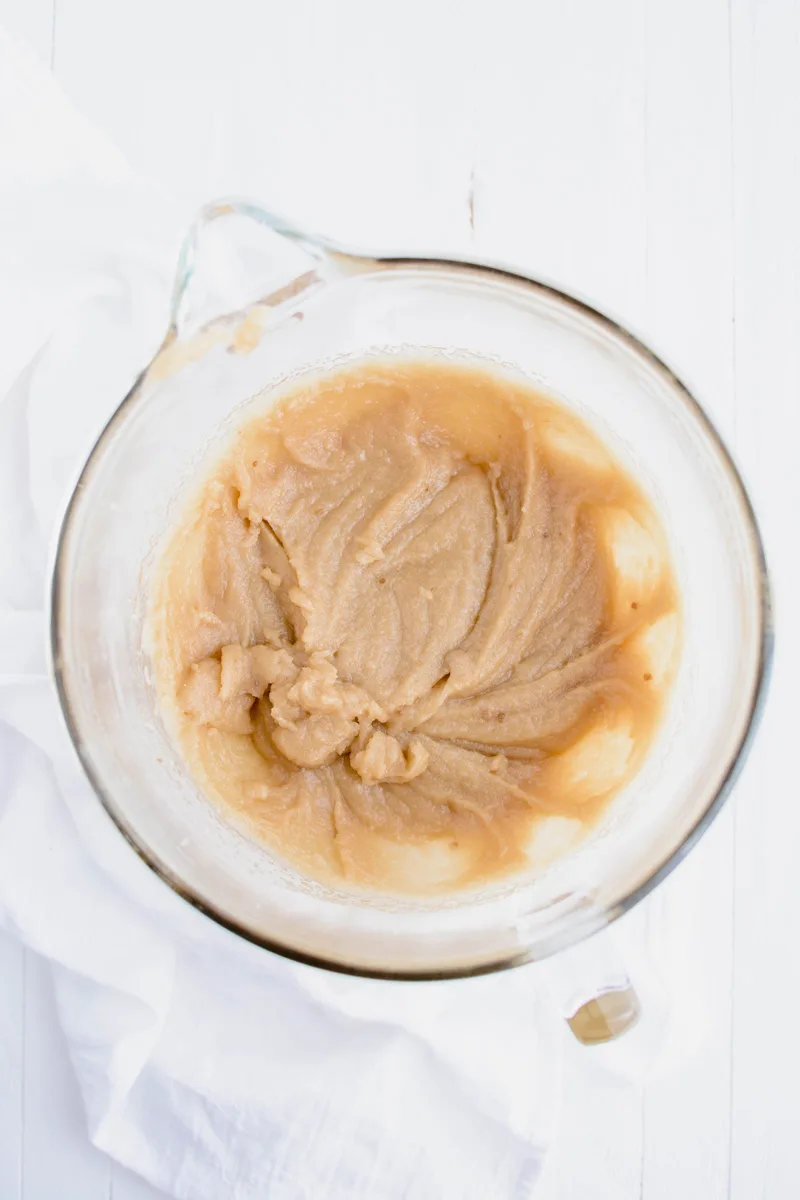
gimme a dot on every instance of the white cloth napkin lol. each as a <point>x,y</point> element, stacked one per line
<point>210,1067</point>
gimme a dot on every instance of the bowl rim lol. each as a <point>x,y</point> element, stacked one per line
<point>732,767</point>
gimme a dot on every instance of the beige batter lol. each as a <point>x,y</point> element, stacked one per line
<point>416,628</point>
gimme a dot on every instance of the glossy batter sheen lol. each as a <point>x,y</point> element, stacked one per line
<point>416,627</point>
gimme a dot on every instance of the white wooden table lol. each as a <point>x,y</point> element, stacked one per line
<point>645,153</point>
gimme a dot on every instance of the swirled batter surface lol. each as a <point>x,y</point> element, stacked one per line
<point>416,627</point>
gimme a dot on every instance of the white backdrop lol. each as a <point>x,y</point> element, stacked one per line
<point>645,153</point>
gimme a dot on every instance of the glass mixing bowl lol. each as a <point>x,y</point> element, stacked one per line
<point>255,304</point>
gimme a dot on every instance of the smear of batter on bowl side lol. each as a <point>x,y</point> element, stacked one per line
<point>416,627</point>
